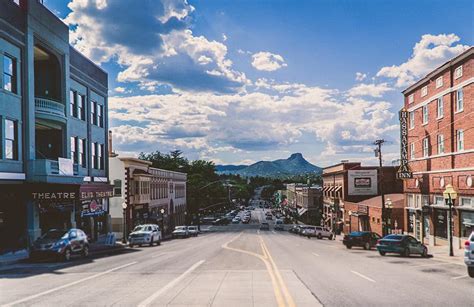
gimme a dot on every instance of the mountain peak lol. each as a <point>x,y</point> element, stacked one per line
<point>296,156</point>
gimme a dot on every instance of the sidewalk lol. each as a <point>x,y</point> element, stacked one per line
<point>442,253</point>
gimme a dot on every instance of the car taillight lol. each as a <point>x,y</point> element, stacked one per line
<point>467,245</point>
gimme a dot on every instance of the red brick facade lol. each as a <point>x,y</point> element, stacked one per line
<point>434,168</point>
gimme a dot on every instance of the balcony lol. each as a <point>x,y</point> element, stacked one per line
<point>45,170</point>
<point>50,110</point>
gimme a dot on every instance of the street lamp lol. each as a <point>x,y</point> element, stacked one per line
<point>162,211</point>
<point>449,195</point>
<point>350,221</point>
<point>388,214</point>
<point>124,237</point>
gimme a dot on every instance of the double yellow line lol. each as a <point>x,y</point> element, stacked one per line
<point>282,294</point>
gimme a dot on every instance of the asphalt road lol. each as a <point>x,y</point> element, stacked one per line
<point>239,265</point>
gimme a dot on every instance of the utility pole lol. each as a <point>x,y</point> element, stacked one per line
<point>378,153</point>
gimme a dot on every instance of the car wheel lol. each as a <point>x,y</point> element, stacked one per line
<point>470,271</point>
<point>424,253</point>
<point>130,245</point>
<point>320,236</point>
<point>151,242</point>
<point>382,253</point>
<point>159,242</point>
<point>85,251</point>
<point>367,246</point>
<point>67,254</point>
<point>330,237</point>
<point>348,246</point>
<point>406,252</point>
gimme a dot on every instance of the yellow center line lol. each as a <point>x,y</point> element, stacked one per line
<point>286,292</point>
<point>264,258</point>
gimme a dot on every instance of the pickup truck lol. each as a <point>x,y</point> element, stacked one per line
<point>469,255</point>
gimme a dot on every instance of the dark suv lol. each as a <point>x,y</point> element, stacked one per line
<point>61,244</point>
<point>365,239</point>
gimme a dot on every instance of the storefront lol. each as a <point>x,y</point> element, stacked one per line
<point>466,222</point>
<point>440,221</point>
<point>13,218</point>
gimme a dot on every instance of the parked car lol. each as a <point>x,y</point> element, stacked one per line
<point>61,244</point>
<point>469,255</point>
<point>222,221</point>
<point>264,226</point>
<point>323,232</point>
<point>279,225</point>
<point>145,234</point>
<point>193,231</point>
<point>404,245</point>
<point>296,229</point>
<point>365,239</point>
<point>207,220</point>
<point>269,217</point>
<point>180,232</point>
<point>235,220</point>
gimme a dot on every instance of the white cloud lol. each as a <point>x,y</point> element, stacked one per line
<point>430,52</point>
<point>224,37</point>
<point>360,76</point>
<point>370,90</point>
<point>120,89</point>
<point>156,46</point>
<point>267,61</point>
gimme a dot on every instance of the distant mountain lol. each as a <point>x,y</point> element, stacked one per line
<point>294,165</point>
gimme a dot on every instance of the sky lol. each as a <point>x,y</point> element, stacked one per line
<point>239,81</point>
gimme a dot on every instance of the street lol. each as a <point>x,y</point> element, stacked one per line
<point>239,265</point>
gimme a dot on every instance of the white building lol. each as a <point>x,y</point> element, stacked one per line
<point>142,193</point>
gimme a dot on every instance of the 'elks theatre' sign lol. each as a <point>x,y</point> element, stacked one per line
<point>404,170</point>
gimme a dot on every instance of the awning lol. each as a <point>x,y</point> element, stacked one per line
<point>302,211</point>
<point>325,188</point>
<point>338,188</point>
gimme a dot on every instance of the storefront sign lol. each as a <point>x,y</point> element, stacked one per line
<point>70,192</point>
<point>53,195</point>
<point>404,170</point>
<point>362,182</point>
<point>93,208</point>
<point>363,210</point>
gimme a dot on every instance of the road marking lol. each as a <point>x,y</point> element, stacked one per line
<point>363,276</point>
<point>459,277</point>
<point>429,264</point>
<point>316,254</point>
<point>29,298</point>
<point>170,285</point>
<point>286,292</point>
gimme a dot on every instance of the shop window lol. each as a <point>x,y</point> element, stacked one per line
<point>467,223</point>
<point>441,223</point>
<point>11,140</point>
<point>9,74</point>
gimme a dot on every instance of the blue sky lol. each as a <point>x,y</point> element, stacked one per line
<point>240,81</point>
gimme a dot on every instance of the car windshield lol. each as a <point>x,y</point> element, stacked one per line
<point>357,233</point>
<point>55,234</point>
<point>180,228</point>
<point>139,228</point>
<point>394,237</point>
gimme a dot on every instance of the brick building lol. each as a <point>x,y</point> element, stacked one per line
<point>351,182</point>
<point>440,150</point>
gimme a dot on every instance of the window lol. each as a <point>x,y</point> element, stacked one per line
<point>412,151</point>
<point>94,155</point>
<point>81,103</point>
<point>459,100</point>
<point>426,148</point>
<point>100,153</point>
<point>117,187</point>
<point>11,140</point>
<point>424,91</point>
<point>74,149</point>
<point>458,72</point>
<point>9,74</point>
<point>460,140</point>
<point>82,152</point>
<point>440,107</point>
<point>466,202</point>
<point>440,144</point>
<point>438,200</point>
<point>17,2</point>
<point>425,114</point>
<point>73,103</point>
<point>439,82</point>
<point>93,113</point>
<point>412,119</point>
<point>411,98</point>
<point>100,116</point>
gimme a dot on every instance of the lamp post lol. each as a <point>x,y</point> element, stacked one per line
<point>124,237</point>
<point>185,218</point>
<point>449,195</point>
<point>350,221</point>
<point>388,213</point>
<point>162,211</point>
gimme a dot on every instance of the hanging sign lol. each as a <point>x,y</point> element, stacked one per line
<point>404,170</point>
